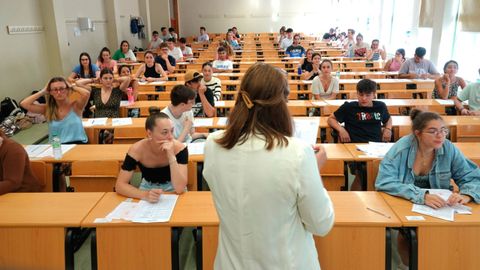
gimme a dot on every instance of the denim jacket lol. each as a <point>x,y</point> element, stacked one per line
<point>396,175</point>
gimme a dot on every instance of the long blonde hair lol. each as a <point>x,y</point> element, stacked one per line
<point>52,107</point>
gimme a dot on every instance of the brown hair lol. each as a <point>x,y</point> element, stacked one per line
<point>51,108</point>
<point>420,119</point>
<point>155,114</point>
<point>260,108</point>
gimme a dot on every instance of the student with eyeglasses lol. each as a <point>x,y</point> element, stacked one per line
<point>424,160</point>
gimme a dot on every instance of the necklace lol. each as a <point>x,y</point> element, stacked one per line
<point>424,160</point>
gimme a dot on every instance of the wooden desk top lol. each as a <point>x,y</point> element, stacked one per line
<point>470,149</point>
<point>351,209</point>
<point>337,152</point>
<point>403,207</point>
<point>46,209</point>
<point>193,208</point>
<point>357,154</point>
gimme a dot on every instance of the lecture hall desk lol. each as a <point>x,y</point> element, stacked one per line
<point>35,228</point>
<point>442,245</point>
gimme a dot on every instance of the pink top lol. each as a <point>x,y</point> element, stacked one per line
<point>395,65</point>
<point>111,65</point>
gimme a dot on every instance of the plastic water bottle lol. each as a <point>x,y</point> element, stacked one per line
<point>337,74</point>
<point>131,99</point>
<point>299,70</point>
<point>56,147</point>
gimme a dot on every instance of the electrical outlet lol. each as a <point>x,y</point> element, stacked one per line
<point>28,29</point>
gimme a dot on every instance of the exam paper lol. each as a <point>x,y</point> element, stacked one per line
<point>45,150</point>
<point>121,121</point>
<point>375,149</point>
<point>143,211</point>
<point>203,122</point>
<point>95,122</point>
<point>306,129</point>
<point>197,148</point>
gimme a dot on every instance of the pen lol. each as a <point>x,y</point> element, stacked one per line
<point>378,212</point>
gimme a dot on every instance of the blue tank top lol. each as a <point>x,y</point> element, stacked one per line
<point>69,129</point>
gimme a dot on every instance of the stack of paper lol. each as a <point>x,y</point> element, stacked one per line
<point>306,129</point>
<point>375,149</point>
<point>445,213</point>
<point>45,150</point>
<point>143,211</point>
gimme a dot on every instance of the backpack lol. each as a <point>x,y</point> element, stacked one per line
<point>134,25</point>
<point>8,107</point>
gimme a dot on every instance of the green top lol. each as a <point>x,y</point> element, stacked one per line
<point>118,55</point>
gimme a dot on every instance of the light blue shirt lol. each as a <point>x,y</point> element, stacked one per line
<point>69,129</point>
<point>396,177</point>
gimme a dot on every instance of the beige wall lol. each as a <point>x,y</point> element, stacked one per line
<point>24,57</point>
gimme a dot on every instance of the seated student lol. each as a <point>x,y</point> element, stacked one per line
<point>85,69</point>
<point>295,50</point>
<point>155,42</point>
<point>124,71</point>
<point>203,37</point>
<point>107,98</point>
<point>186,50</point>
<point>174,51</point>
<point>315,71</point>
<point>105,61</point>
<point>180,112</point>
<point>396,62</point>
<point>340,39</point>
<point>236,35</point>
<point>375,53</point>
<point>288,40</point>
<point>325,86</point>
<point>306,63</point>
<point>172,33</point>
<point>426,159</point>
<point>213,84</point>
<point>232,41</point>
<point>15,172</point>
<point>205,101</point>
<point>360,48</point>
<point>349,42</point>
<point>161,159</point>
<point>330,36</point>
<point>223,64</point>
<point>472,94</point>
<point>64,115</point>
<point>446,86</point>
<point>165,35</point>
<point>366,120</point>
<point>151,71</point>
<point>282,34</point>
<point>165,60</point>
<point>124,54</point>
<point>417,67</point>
<point>266,184</point>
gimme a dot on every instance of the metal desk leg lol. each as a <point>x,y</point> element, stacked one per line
<point>69,258</point>
<point>93,250</point>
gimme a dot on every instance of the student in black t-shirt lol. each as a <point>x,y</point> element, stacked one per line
<point>365,120</point>
<point>168,66</point>
<point>205,101</point>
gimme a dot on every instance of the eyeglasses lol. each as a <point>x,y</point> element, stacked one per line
<point>443,131</point>
<point>84,59</point>
<point>58,90</point>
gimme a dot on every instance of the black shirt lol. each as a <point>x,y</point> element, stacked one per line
<point>162,62</point>
<point>363,124</point>
<point>198,107</point>
<point>159,175</point>
<point>307,66</point>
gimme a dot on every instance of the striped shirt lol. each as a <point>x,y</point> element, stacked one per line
<point>215,85</point>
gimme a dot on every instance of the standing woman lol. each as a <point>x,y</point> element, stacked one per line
<point>107,98</point>
<point>266,185</point>
<point>309,75</point>
<point>124,54</point>
<point>85,69</point>
<point>104,60</point>
<point>151,71</point>
<point>325,86</point>
<point>62,113</point>
<point>394,64</point>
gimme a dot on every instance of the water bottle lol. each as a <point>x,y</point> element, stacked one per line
<point>337,74</point>
<point>299,70</point>
<point>56,147</point>
<point>131,99</point>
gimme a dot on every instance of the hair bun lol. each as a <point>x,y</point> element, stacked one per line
<point>414,113</point>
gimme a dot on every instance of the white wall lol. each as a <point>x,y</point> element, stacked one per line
<point>125,9</point>
<point>24,57</point>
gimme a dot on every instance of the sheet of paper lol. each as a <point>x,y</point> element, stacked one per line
<point>306,129</point>
<point>445,101</point>
<point>375,149</point>
<point>160,211</point>
<point>219,103</point>
<point>197,148</point>
<point>125,210</point>
<point>319,103</point>
<point>36,150</point>
<point>49,152</point>
<point>414,218</point>
<point>222,121</point>
<point>203,122</point>
<point>121,121</point>
<point>124,103</point>
<point>445,213</point>
<point>442,193</point>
